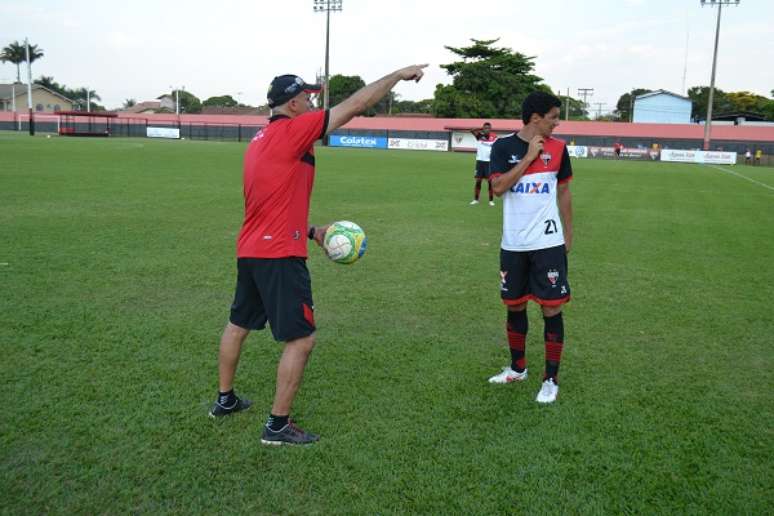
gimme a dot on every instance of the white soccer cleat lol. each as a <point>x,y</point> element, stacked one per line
<point>508,375</point>
<point>548,392</point>
<point>491,203</point>
<point>473,202</point>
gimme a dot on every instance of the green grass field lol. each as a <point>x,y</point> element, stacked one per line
<point>117,270</point>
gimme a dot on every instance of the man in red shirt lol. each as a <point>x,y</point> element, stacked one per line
<point>273,283</point>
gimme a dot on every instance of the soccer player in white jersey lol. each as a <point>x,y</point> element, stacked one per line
<point>484,140</point>
<point>531,171</point>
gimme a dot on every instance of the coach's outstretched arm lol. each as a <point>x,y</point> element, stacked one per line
<point>369,95</point>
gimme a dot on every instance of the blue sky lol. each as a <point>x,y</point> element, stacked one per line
<point>139,49</point>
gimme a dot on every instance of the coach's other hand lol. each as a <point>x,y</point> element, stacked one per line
<point>319,234</point>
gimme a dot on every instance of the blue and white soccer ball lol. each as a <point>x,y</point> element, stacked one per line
<point>345,242</point>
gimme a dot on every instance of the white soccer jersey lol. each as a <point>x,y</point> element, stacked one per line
<point>531,218</point>
<point>484,146</point>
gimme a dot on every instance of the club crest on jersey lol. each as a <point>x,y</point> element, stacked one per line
<point>546,157</point>
<point>553,276</point>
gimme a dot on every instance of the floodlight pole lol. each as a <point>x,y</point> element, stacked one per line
<point>708,121</point>
<point>31,122</point>
<point>327,6</point>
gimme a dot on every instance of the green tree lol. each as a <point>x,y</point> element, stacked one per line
<point>84,98</point>
<point>189,103</point>
<point>488,82</point>
<point>16,53</point>
<point>51,84</point>
<point>577,108</point>
<point>623,108</point>
<point>747,101</point>
<point>221,101</point>
<point>342,86</point>
<point>699,96</point>
<point>410,106</point>
<point>129,103</point>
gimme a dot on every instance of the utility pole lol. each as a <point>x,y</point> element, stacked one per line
<point>599,108</point>
<point>585,93</point>
<point>708,122</point>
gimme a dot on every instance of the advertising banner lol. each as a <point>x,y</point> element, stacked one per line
<point>697,156</point>
<point>463,141</point>
<point>578,151</point>
<point>367,142</point>
<point>163,132</point>
<point>413,144</point>
<point>626,153</point>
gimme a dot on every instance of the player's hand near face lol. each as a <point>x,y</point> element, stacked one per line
<point>535,148</point>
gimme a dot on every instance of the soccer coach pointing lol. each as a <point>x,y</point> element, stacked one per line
<point>273,283</point>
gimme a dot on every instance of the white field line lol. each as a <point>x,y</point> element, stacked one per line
<point>737,174</point>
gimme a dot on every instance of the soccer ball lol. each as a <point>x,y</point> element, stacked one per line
<point>345,242</point>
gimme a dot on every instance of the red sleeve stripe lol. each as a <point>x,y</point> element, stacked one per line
<point>565,180</point>
<point>493,175</point>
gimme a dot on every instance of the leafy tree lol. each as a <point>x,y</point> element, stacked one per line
<point>747,101</point>
<point>189,103</point>
<point>699,96</point>
<point>221,101</point>
<point>342,86</point>
<point>623,108</point>
<point>488,82</point>
<point>129,103</point>
<point>84,98</point>
<point>410,106</point>
<point>16,53</point>
<point>577,108</point>
<point>51,84</point>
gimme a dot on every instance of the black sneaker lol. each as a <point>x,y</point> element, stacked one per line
<point>219,410</point>
<point>289,434</point>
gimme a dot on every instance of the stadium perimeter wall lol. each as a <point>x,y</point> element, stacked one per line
<point>455,130</point>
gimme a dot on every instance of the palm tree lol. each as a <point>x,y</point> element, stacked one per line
<point>79,96</point>
<point>51,84</point>
<point>16,53</point>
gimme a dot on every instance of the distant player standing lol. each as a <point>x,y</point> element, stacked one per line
<point>273,282</point>
<point>484,140</point>
<point>531,171</point>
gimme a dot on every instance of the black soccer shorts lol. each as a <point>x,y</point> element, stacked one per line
<point>482,169</point>
<point>277,290</point>
<point>539,275</point>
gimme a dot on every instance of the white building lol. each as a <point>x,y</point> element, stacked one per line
<point>662,107</point>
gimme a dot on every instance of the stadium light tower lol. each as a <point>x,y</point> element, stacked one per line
<point>326,6</point>
<point>708,121</point>
<point>31,121</point>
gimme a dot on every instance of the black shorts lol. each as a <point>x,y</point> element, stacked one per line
<point>482,169</point>
<point>539,275</point>
<point>277,290</point>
